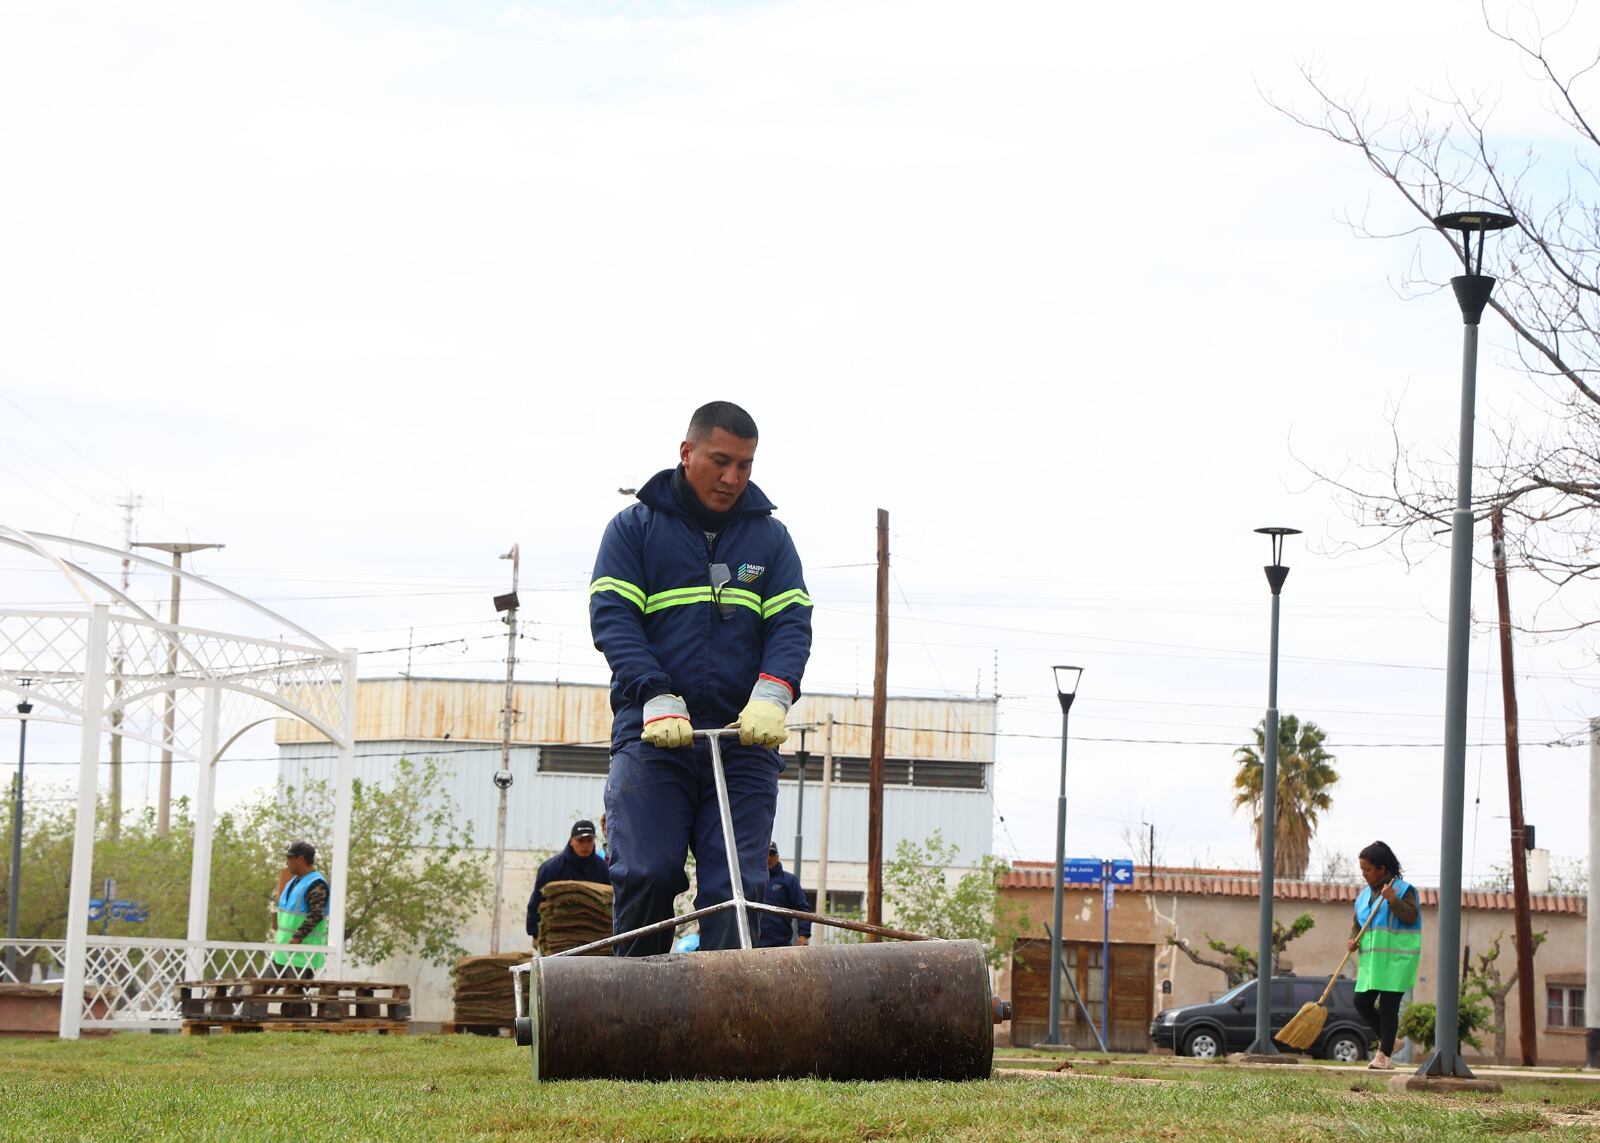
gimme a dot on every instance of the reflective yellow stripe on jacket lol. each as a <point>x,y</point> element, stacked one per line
<point>682,596</point>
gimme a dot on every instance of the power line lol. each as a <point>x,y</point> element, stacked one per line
<point>1181,741</point>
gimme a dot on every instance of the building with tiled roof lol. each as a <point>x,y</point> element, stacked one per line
<point>1193,906</point>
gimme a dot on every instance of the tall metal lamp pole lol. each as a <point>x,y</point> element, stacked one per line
<point>14,889</point>
<point>1066,690</point>
<point>1276,575</point>
<point>1472,291</point>
<point>507,603</point>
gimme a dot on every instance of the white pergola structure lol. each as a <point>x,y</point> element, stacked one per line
<point>105,664</point>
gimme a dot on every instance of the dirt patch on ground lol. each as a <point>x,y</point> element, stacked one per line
<point>1047,1074</point>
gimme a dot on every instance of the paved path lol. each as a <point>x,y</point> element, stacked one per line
<point>1088,1064</point>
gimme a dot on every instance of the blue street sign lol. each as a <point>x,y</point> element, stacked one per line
<point>1096,871</point>
<point>134,912</point>
<point>1082,871</point>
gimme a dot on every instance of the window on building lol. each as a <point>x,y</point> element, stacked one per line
<point>919,773</point>
<point>844,902</point>
<point>922,773</point>
<point>1563,1006</point>
<point>574,759</point>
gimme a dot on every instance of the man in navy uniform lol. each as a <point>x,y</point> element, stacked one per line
<point>577,861</point>
<point>699,604</point>
<point>783,890</point>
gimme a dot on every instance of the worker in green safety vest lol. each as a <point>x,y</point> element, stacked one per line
<point>302,912</point>
<point>1391,946</point>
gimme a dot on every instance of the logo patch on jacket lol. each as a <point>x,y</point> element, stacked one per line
<point>749,573</point>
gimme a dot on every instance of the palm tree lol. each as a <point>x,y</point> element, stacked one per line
<point>1305,774</point>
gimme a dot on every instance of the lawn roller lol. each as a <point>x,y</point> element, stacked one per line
<point>921,1009</point>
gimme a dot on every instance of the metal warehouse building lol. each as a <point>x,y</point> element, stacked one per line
<point>939,775</point>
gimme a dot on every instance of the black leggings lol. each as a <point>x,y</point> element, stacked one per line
<point>1381,1010</point>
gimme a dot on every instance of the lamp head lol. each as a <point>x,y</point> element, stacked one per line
<point>1471,222</point>
<point>1276,572</point>
<point>1277,535</point>
<point>1067,685</point>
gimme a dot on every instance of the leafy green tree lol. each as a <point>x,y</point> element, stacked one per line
<point>1417,1021</point>
<point>1305,775</point>
<point>46,868</point>
<point>924,901</point>
<point>414,883</point>
<point>1240,963</point>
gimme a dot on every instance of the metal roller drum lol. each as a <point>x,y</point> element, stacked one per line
<point>918,1010</point>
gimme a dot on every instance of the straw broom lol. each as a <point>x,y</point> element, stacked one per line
<point>1302,1031</point>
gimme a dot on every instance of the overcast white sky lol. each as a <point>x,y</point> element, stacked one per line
<point>368,292</point>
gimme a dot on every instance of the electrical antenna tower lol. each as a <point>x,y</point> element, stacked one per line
<point>128,504</point>
<point>508,716</point>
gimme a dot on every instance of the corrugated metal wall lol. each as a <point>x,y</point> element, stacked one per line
<point>542,806</point>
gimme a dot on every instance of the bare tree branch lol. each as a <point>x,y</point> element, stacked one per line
<point>1440,154</point>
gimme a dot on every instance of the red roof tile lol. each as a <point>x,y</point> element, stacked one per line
<point>1242,883</point>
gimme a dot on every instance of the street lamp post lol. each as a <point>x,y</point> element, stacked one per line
<point>1472,291</point>
<point>14,889</point>
<point>1277,573</point>
<point>507,603</point>
<point>1066,690</point>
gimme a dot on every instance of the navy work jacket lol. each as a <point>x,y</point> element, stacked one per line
<point>665,629</point>
<point>783,890</point>
<point>564,866</point>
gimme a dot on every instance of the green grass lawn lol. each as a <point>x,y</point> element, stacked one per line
<point>292,1086</point>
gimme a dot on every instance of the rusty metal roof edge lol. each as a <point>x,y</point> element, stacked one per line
<point>500,682</point>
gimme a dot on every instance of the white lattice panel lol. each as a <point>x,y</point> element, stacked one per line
<point>47,649</point>
<point>129,983</point>
<point>31,960</point>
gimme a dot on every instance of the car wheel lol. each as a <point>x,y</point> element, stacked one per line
<point>1346,1047</point>
<point>1202,1043</point>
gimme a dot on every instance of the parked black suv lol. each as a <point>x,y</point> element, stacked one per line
<point>1228,1024</point>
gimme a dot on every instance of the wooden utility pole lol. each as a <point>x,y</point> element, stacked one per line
<point>880,707</point>
<point>169,710</point>
<point>1527,1033</point>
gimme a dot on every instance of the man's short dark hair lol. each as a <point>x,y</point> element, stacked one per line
<point>721,415</point>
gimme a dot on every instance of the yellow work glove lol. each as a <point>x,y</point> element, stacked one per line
<point>666,723</point>
<point>761,720</point>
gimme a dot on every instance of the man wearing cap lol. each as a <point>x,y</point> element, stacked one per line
<point>577,861</point>
<point>699,604</point>
<point>783,890</point>
<point>302,910</point>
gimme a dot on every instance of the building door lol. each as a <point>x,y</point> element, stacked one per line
<point>1132,994</point>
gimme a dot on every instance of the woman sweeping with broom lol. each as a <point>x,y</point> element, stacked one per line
<point>1388,933</point>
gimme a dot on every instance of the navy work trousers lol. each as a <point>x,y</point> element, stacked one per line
<point>662,805</point>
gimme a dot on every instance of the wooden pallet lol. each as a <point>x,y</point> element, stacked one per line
<point>378,1027</point>
<point>256,999</point>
